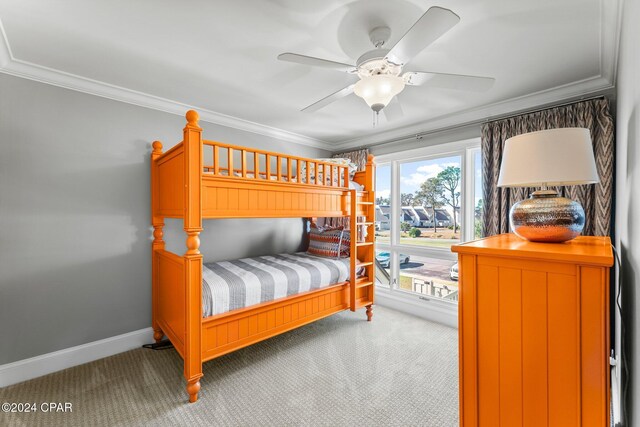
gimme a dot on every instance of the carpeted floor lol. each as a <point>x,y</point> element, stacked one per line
<point>398,370</point>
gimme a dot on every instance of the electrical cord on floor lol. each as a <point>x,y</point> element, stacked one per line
<point>623,357</point>
<point>160,345</point>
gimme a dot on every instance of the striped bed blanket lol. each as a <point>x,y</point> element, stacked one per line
<point>230,285</point>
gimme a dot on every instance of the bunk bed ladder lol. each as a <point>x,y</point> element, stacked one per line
<point>363,218</point>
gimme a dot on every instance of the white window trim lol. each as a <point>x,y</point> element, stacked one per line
<point>470,202</point>
<point>428,151</point>
<point>466,149</point>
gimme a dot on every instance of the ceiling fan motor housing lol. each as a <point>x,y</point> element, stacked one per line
<point>376,62</point>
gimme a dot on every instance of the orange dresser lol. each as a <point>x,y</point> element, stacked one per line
<point>534,332</point>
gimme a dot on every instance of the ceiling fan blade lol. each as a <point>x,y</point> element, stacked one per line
<point>449,81</point>
<point>329,99</point>
<point>316,62</point>
<point>393,111</point>
<point>435,22</point>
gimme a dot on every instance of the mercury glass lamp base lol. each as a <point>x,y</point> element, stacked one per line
<point>547,217</point>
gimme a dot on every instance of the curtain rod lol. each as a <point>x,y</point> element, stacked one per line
<point>420,135</point>
<point>417,136</point>
<point>537,110</point>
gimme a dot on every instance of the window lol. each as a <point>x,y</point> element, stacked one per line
<point>426,201</point>
<point>383,194</point>
<point>430,202</point>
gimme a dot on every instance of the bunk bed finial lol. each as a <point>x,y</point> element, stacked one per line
<point>192,117</point>
<point>157,147</point>
<point>370,158</point>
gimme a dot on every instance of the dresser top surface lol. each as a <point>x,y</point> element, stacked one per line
<point>583,249</point>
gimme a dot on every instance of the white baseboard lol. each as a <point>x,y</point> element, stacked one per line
<point>34,367</point>
<point>433,310</point>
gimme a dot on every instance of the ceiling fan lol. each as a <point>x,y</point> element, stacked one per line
<point>380,69</point>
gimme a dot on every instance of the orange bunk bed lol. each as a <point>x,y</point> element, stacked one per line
<point>199,179</point>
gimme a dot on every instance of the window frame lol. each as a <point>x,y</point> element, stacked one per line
<point>466,150</point>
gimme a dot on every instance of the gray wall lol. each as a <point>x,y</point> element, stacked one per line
<point>74,215</point>
<point>628,197</point>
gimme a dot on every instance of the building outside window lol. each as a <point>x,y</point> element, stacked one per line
<point>426,201</point>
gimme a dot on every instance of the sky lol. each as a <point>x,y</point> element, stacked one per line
<point>412,174</point>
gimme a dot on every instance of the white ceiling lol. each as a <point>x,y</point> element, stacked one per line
<point>220,57</point>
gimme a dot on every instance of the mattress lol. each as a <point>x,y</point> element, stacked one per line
<point>230,285</point>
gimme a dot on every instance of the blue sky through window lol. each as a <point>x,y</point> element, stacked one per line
<point>412,174</point>
<point>383,181</point>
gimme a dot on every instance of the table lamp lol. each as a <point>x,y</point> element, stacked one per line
<point>548,158</point>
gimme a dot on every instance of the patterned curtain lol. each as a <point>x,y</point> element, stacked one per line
<point>596,199</point>
<point>359,157</point>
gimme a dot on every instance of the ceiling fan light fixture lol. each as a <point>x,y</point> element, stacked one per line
<point>378,90</point>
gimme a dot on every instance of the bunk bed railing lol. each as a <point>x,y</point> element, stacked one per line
<point>233,161</point>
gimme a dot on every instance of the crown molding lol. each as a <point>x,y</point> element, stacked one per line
<point>573,91</point>
<point>610,23</point>
<point>610,30</point>
<point>93,87</point>
<point>16,67</point>
<point>5,51</point>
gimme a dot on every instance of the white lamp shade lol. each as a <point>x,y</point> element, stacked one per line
<point>549,157</point>
<point>379,89</point>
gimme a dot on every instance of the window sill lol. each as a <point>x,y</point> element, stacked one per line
<point>442,312</point>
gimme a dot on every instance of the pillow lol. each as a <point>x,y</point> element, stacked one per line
<point>329,242</point>
<point>340,161</point>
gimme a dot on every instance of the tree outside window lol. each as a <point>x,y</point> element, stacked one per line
<point>430,195</point>
<point>450,186</point>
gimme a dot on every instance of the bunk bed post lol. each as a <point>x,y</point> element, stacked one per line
<point>158,243</point>
<point>193,258</point>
